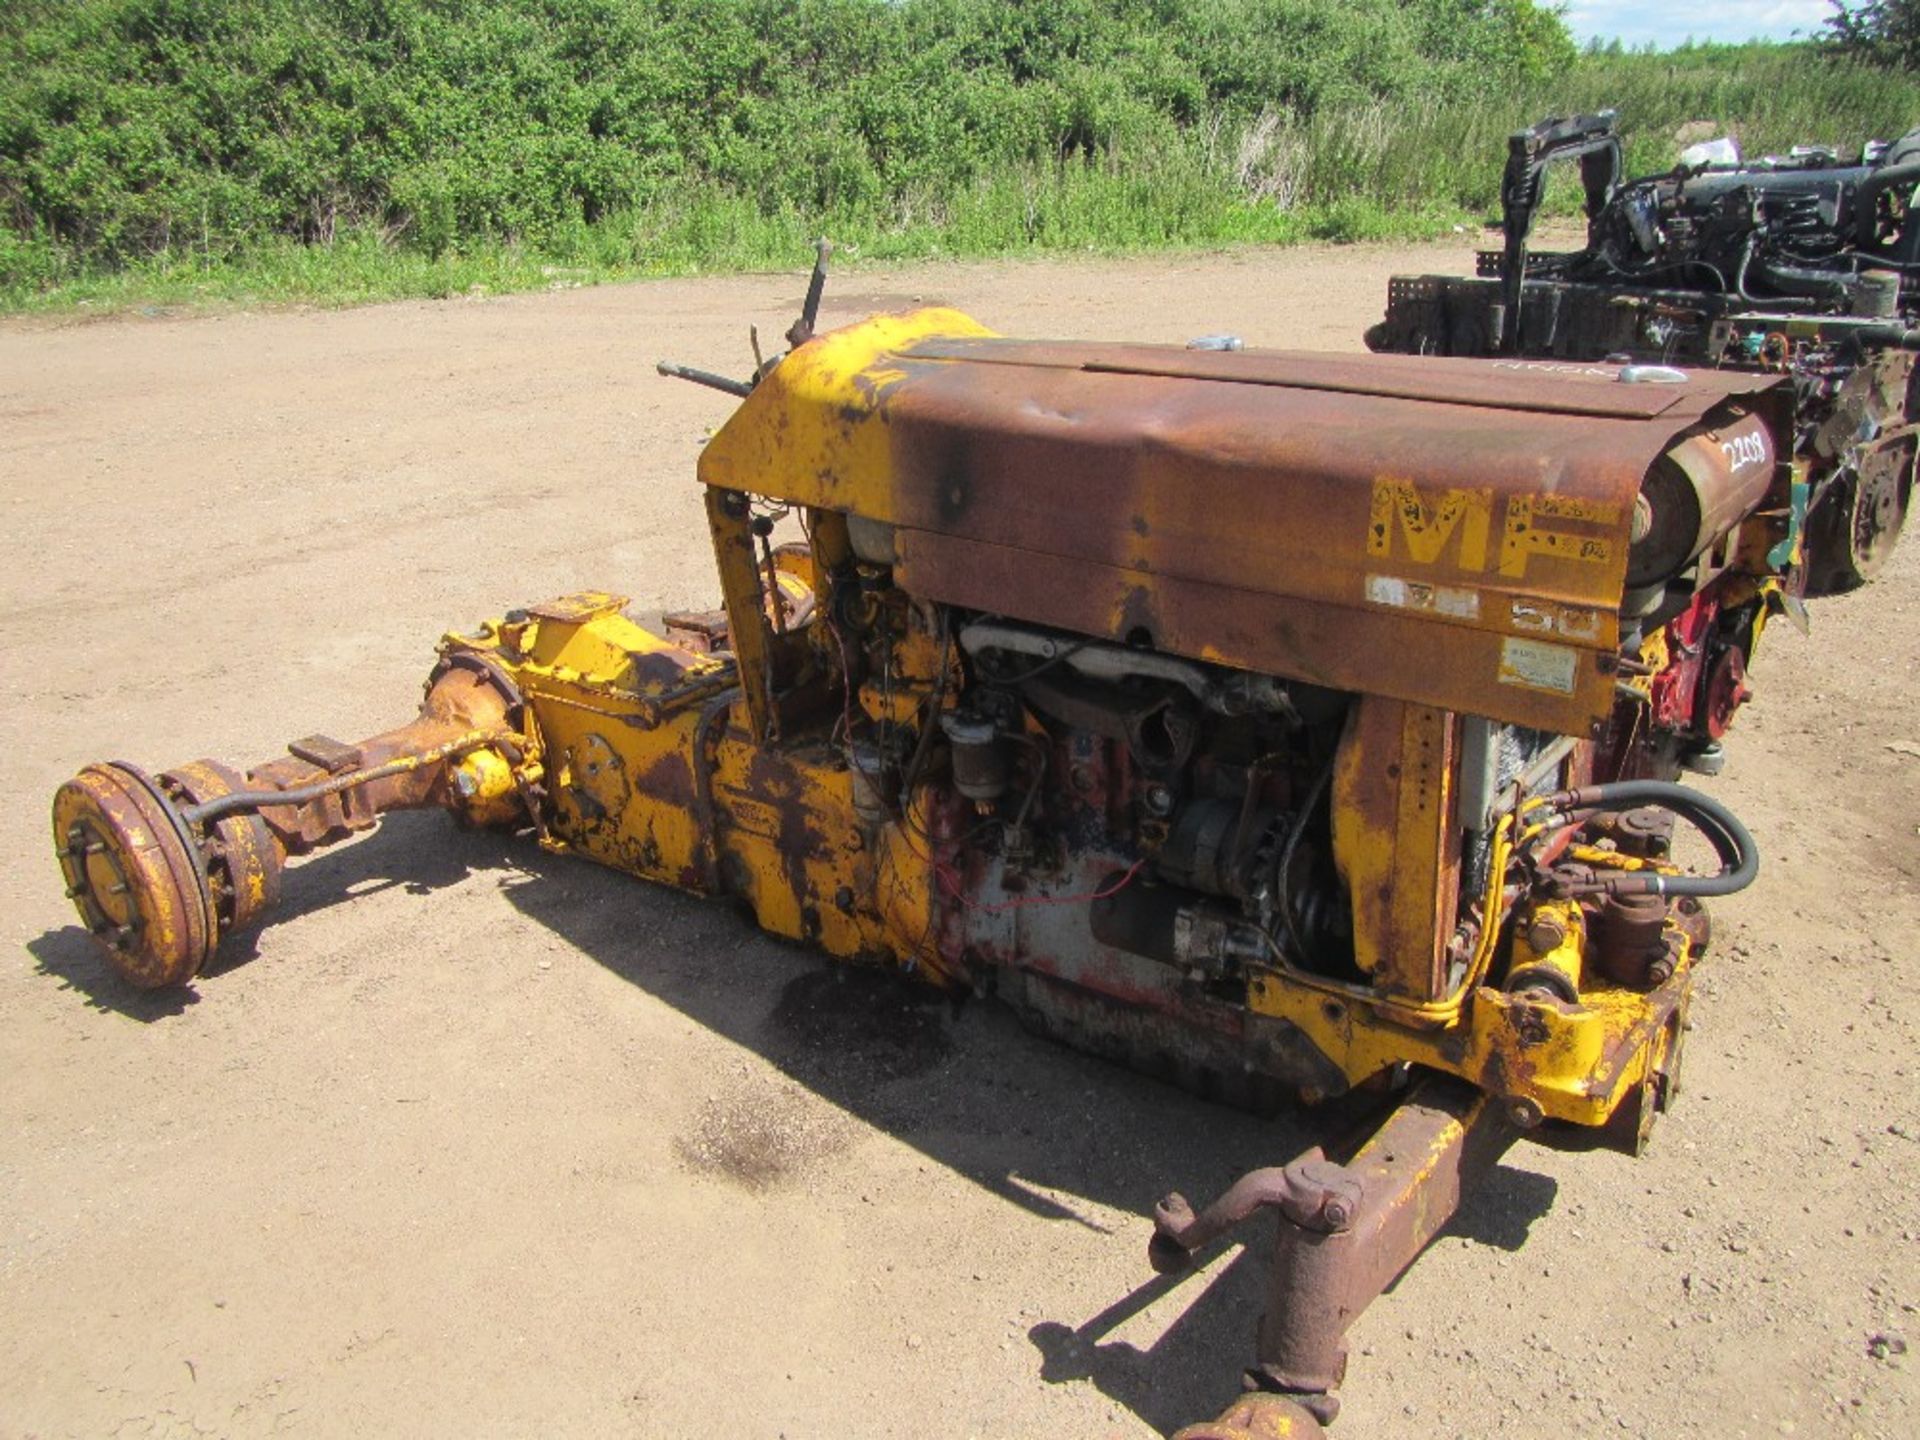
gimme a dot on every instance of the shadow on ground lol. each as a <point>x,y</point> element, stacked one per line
<point>1038,1126</point>
<point>417,853</point>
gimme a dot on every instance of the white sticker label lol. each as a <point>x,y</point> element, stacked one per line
<point>1537,666</point>
<point>1453,601</point>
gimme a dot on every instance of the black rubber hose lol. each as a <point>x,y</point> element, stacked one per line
<point>1797,281</point>
<point>1294,832</point>
<point>1731,841</point>
<point>1885,337</point>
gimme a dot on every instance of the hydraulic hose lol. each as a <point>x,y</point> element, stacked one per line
<point>1731,841</point>
<point>1294,832</point>
<point>1798,282</point>
<point>1885,337</point>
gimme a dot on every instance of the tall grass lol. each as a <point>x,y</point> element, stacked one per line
<point>1096,134</point>
<point>1769,97</point>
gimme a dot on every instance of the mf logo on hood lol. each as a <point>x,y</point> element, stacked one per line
<point>1456,527</point>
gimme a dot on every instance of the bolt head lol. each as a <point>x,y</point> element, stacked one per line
<point>1546,933</point>
<point>1525,1112</point>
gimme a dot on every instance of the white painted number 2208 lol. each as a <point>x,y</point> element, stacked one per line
<point>1744,450</point>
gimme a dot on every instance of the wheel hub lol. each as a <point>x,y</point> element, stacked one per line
<point>134,874</point>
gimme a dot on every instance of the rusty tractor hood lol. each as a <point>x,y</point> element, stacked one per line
<point>1445,531</point>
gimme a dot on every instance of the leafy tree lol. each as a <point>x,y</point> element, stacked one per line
<point>1882,32</point>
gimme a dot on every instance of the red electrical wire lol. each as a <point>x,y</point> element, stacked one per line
<point>953,882</point>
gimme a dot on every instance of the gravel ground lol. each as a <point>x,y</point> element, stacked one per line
<point>478,1141</point>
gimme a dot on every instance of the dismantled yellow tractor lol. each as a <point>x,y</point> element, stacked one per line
<point>1289,725</point>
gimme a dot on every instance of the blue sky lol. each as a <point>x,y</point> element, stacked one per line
<point>1670,22</point>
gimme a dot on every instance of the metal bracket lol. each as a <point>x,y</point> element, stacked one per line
<point>1345,1231</point>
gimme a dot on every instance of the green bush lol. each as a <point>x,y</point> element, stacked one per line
<point>182,143</point>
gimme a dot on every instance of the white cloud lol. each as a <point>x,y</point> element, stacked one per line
<point>1667,24</point>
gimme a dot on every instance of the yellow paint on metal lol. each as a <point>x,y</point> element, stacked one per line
<point>1526,535</point>
<point>483,779</point>
<point>897,694</point>
<point>630,751</point>
<point>740,593</point>
<point>1423,523</point>
<point>626,761</point>
<point>673,766</point>
<point>813,431</point>
<point>1562,960</point>
<point>1576,1061</point>
<point>1395,841</point>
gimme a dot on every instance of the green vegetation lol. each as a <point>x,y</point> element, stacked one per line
<point>157,151</point>
<point>1880,32</point>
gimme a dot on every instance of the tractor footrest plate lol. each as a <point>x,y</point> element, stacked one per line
<point>701,631</point>
<point>329,754</point>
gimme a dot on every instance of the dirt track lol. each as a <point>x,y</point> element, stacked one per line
<point>506,1144</point>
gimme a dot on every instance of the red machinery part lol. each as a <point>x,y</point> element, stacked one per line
<point>1726,691</point>
<point>1674,692</point>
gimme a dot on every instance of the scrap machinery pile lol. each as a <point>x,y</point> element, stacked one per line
<point>1791,265</point>
<point>1283,724</point>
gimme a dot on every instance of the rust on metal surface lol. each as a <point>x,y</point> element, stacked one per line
<point>243,862</point>
<point>1347,1230</point>
<point>1630,939</point>
<point>1453,533</point>
<point>160,869</point>
<point>1311,1191</point>
<point>404,768</point>
<point>134,874</point>
<point>1412,1173</point>
<point>1551,389</point>
<point>728,520</point>
<point>1025,715</point>
<point>1397,841</point>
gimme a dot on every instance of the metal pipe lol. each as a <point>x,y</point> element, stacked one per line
<point>302,794</point>
<point>1411,1176</point>
<point>1240,692</point>
<point>704,377</point>
<point>1345,1231</point>
<point>1309,1191</point>
<point>802,329</point>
